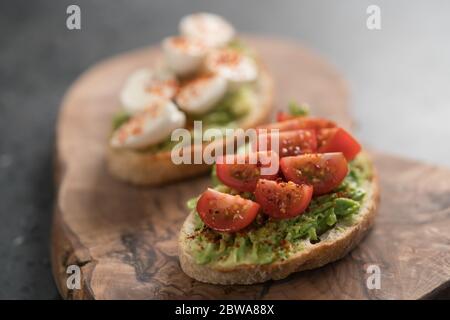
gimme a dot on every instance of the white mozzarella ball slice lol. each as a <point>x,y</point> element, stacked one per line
<point>210,28</point>
<point>201,94</point>
<point>184,55</point>
<point>144,86</point>
<point>234,66</point>
<point>150,126</point>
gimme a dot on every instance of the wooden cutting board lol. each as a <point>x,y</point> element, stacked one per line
<point>124,238</point>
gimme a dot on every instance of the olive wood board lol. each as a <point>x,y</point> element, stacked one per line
<point>124,239</point>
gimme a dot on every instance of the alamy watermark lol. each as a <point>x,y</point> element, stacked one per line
<point>73,21</point>
<point>213,145</point>
<point>74,278</point>
<point>373,21</point>
<point>373,281</point>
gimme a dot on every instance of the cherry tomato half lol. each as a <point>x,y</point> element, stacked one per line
<point>338,140</point>
<point>242,172</point>
<point>324,171</point>
<point>282,200</point>
<point>290,143</point>
<point>225,212</point>
<point>283,116</point>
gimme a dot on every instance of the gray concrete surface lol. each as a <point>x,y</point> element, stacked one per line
<point>399,76</point>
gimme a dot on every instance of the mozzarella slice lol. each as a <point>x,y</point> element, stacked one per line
<point>234,66</point>
<point>201,94</point>
<point>144,86</point>
<point>184,55</point>
<point>150,126</point>
<point>212,29</point>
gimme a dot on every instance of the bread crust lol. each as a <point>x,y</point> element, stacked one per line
<point>335,246</point>
<point>154,169</point>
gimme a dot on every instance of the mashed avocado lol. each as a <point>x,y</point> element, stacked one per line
<point>120,118</point>
<point>238,45</point>
<point>268,240</point>
<point>233,107</point>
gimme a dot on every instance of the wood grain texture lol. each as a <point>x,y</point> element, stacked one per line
<point>125,239</point>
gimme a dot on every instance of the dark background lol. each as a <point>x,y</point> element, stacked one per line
<point>399,78</point>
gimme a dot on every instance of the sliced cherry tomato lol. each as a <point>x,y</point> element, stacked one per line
<point>338,140</point>
<point>283,116</point>
<point>282,200</point>
<point>324,171</point>
<point>290,143</point>
<point>225,212</point>
<point>300,122</point>
<point>242,172</point>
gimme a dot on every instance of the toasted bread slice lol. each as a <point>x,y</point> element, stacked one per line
<point>145,168</point>
<point>334,244</point>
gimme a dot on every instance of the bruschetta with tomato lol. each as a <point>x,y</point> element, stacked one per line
<point>207,74</point>
<point>250,227</point>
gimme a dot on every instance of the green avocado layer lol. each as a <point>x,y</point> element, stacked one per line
<point>231,108</point>
<point>268,240</point>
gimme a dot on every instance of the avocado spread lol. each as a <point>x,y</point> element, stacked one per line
<point>267,240</point>
<point>231,108</point>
